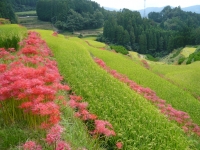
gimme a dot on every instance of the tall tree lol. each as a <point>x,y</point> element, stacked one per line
<point>6,11</point>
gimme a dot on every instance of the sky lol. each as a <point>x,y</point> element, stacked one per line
<point>139,4</point>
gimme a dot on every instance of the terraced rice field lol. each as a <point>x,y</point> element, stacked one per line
<point>137,123</point>
<point>185,76</point>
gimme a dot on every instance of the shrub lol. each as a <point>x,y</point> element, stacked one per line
<point>181,60</point>
<point>119,49</point>
<point>149,57</point>
<point>194,56</point>
<point>4,21</point>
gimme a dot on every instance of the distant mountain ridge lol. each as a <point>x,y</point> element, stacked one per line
<point>195,8</point>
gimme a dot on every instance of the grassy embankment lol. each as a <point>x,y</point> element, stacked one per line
<point>14,134</point>
<point>138,124</point>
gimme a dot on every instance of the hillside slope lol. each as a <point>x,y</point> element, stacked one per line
<point>137,123</point>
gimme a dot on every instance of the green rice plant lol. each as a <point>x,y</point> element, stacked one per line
<point>137,123</point>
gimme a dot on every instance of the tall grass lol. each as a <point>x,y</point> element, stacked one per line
<point>137,123</point>
<point>11,35</point>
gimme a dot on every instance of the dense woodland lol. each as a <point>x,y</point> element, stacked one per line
<point>24,5</point>
<point>157,35</point>
<point>6,11</point>
<point>71,14</point>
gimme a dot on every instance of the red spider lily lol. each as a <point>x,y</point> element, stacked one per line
<point>54,134</point>
<point>31,145</point>
<point>104,128</point>
<point>3,53</point>
<point>85,115</point>
<point>75,97</point>
<point>32,79</point>
<point>55,33</point>
<point>62,145</point>
<point>3,68</point>
<point>119,145</point>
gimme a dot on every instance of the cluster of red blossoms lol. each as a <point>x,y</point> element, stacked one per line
<point>30,80</point>
<point>102,127</point>
<point>53,139</point>
<point>182,118</point>
<point>55,33</point>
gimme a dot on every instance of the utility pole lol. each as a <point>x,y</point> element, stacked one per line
<point>144,8</point>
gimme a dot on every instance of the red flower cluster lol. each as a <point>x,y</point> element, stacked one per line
<point>31,80</point>
<point>119,145</point>
<point>54,138</point>
<point>55,33</point>
<point>101,127</point>
<point>145,64</point>
<point>81,108</point>
<point>180,117</point>
<point>31,145</point>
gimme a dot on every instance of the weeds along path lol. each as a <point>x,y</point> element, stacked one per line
<point>137,123</point>
<point>173,95</point>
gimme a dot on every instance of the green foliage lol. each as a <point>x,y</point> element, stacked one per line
<point>119,49</point>
<point>24,5</point>
<point>181,60</point>
<point>6,11</point>
<point>194,56</point>
<point>159,35</point>
<point>151,58</point>
<point>71,15</point>
<point>133,118</point>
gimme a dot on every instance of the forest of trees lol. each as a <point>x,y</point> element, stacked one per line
<point>24,5</point>
<point>158,35</point>
<point>71,14</point>
<point>6,11</point>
